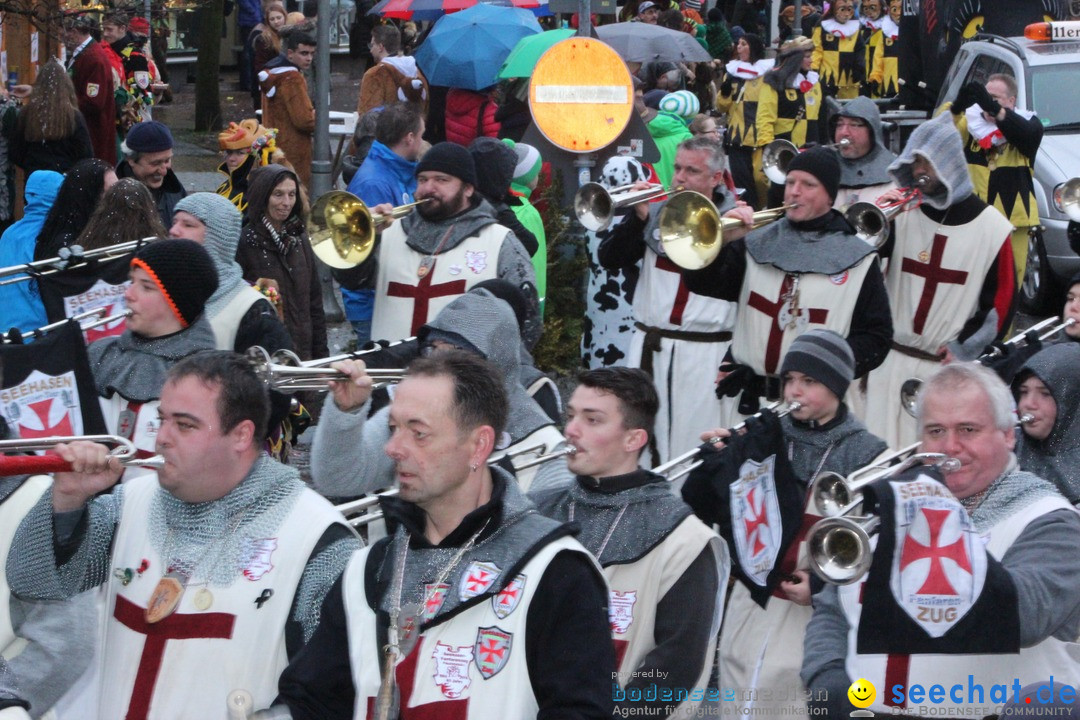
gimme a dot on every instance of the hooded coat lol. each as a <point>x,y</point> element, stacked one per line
<point>21,302</point>
<point>394,79</point>
<point>1057,458</point>
<point>289,261</point>
<point>872,168</point>
<point>667,130</point>
<point>287,107</point>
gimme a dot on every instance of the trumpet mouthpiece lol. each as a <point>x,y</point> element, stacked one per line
<point>1026,418</point>
<point>922,180</point>
<point>949,465</point>
<point>570,450</point>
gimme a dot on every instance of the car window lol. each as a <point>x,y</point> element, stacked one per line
<point>1054,107</point>
<point>985,66</point>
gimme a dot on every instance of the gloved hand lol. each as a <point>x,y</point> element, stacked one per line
<point>981,96</point>
<point>964,99</point>
<point>735,382</point>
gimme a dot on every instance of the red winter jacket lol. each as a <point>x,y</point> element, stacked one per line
<point>470,115</point>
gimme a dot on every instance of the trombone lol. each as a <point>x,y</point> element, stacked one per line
<point>692,231</point>
<point>839,547</point>
<point>341,228</point>
<point>777,156</point>
<point>74,256</point>
<point>668,469</point>
<point>37,464</point>
<point>289,378</point>
<point>595,205</point>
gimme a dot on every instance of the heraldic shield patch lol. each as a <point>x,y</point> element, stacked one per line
<point>755,519</point>
<point>932,586</point>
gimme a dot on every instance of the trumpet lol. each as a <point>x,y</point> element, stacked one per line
<point>37,464</point>
<point>538,460</point>
<point>839,546</point>
<point>595,205</point>
<point>777,156</point>
<point>341,228</point>
<point>692,231</point>
<point>80,316</point>
<point>74,256</point>
<point>1067,195</point>
<point>668,468</point>
<point>871,222</point>
<point>290,378</point>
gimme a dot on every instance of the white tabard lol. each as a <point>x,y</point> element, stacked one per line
<point>473,664</point>
<point>1033,664</point>
<point>637,588</point>
<point>405,301</point>
<point>138,422</point>
<point>185,665</point>
<point>683,371</point>
<point>227,321</point>
<point>934,280</point>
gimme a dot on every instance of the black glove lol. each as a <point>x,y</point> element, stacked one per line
<point>727,87</point>
<point>964,99</point>
<point>735,382</point>
<point>980,95</point>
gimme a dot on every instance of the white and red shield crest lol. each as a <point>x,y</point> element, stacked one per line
<point>508,598</point>
<point>100,295</point>
<point>492,650</point>
<point>621,610</point>
<point>258,554</point>
<point>939,565</point>
<point>477,579</point>
<point>44,405</point>
<point>452,669</point>
<point>433,599</point>
<point>755,518</point>
<point>142,79</point>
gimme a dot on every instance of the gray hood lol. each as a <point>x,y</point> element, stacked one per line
<point>1057,458</point>
<point>938,141</point>
<point>872,168</point>
<point>488,325</point>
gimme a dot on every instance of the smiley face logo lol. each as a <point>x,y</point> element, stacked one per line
<point>862,693</point>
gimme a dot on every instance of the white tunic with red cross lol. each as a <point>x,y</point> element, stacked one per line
<point>682,368</point>
<point>935,278</point>
<point>1030,665</point>
<point>185,665</point>
<point>470,667</point>
<point>405,300</point>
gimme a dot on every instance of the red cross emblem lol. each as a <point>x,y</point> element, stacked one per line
<point>422,294</point>
<point>477,579</point>
<point>934,274</point>
<point>492,650</point>
<point>936,582</point>
<point>758,521</point>
<point>508,598</point>
<point>816,316</point>
<point>433,599</point>
<point>682,295</point>
<point>45,426</point>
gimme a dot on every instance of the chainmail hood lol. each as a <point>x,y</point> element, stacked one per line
<point>222,221</point>
<point>872,168</point>
<point>136,366</point>
<point>939,142</point>
<point>841,445</point>
<point>489,325</point>
<point>1057,458</point>
<point>1008,495</point>
<point>425,235</point>
<point>829,249</point>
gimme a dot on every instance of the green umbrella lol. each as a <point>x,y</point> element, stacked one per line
<point>527,52</point>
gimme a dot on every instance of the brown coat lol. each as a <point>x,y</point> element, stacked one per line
<point>287,107</point>
<point>380,86</point>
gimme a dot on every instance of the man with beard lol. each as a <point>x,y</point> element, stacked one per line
<point>441,249</point>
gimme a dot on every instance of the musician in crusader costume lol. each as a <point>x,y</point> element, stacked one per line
<point>212,573</point>
<point>680,337</point>
<point>477,605</point>
<point>840,51</point>
<point>761,642</point>
<point>806,270</point>
<point>442,248</point>
<point>1003,609</point>
<point>667,571</point>
<point>171,281</point>
<point>864,161</point>
<point>1047,389</point>
<point>951,280</point>
<point>347,457</point>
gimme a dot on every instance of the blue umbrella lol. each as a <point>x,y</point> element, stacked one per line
<point>466,49</point>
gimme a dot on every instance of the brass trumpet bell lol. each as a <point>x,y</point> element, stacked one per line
<point>690,230</point>
<point>839,548</point>
<point>341,230</point>
<point>775,159</point>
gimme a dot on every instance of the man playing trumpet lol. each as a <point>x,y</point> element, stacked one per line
<point>679,336</point>
<point>807,270</point>
<point>950,281</point>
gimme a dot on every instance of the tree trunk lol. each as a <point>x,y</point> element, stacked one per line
<point>207,69</point>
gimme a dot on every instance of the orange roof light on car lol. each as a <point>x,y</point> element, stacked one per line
<point>1048,31</point>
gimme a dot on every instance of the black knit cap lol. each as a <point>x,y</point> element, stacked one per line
<point>824,356</point>
<point>184,272</point>
<point>449,158</point>
<point>823,164</point>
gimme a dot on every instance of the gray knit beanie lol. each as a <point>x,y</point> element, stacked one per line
<point>939,142</point>
<point>222,221</point>
<point>824,356</point>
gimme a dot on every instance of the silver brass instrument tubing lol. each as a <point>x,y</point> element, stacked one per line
<point>46,266</point>
<point>124,452</point>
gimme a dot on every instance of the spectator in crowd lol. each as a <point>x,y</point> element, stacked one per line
<point>470,114</point>
<point>394,77</point>
<point>91,74</point>
<point>246,146</point>
<point>265,42</point>
<point>126,212</point>
<point>148,154</point>
<point>286,104</point>
<point>21,301</point>
<point>81,191</point>
<point>50,133</point>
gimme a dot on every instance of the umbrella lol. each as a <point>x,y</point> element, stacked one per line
<point>435,9</point>
<point>466,49</point>
<point>527,52</point>
<point>642,42</point>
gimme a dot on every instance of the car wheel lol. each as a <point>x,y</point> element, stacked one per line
<point>1040,292</point>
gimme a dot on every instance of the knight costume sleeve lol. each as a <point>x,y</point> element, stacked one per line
<point>825,652</point>
<point>871,330</point>
<point>1024,134</point>
<point>624,244</point>
<point>347,457</point>
<point>564,645</point>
